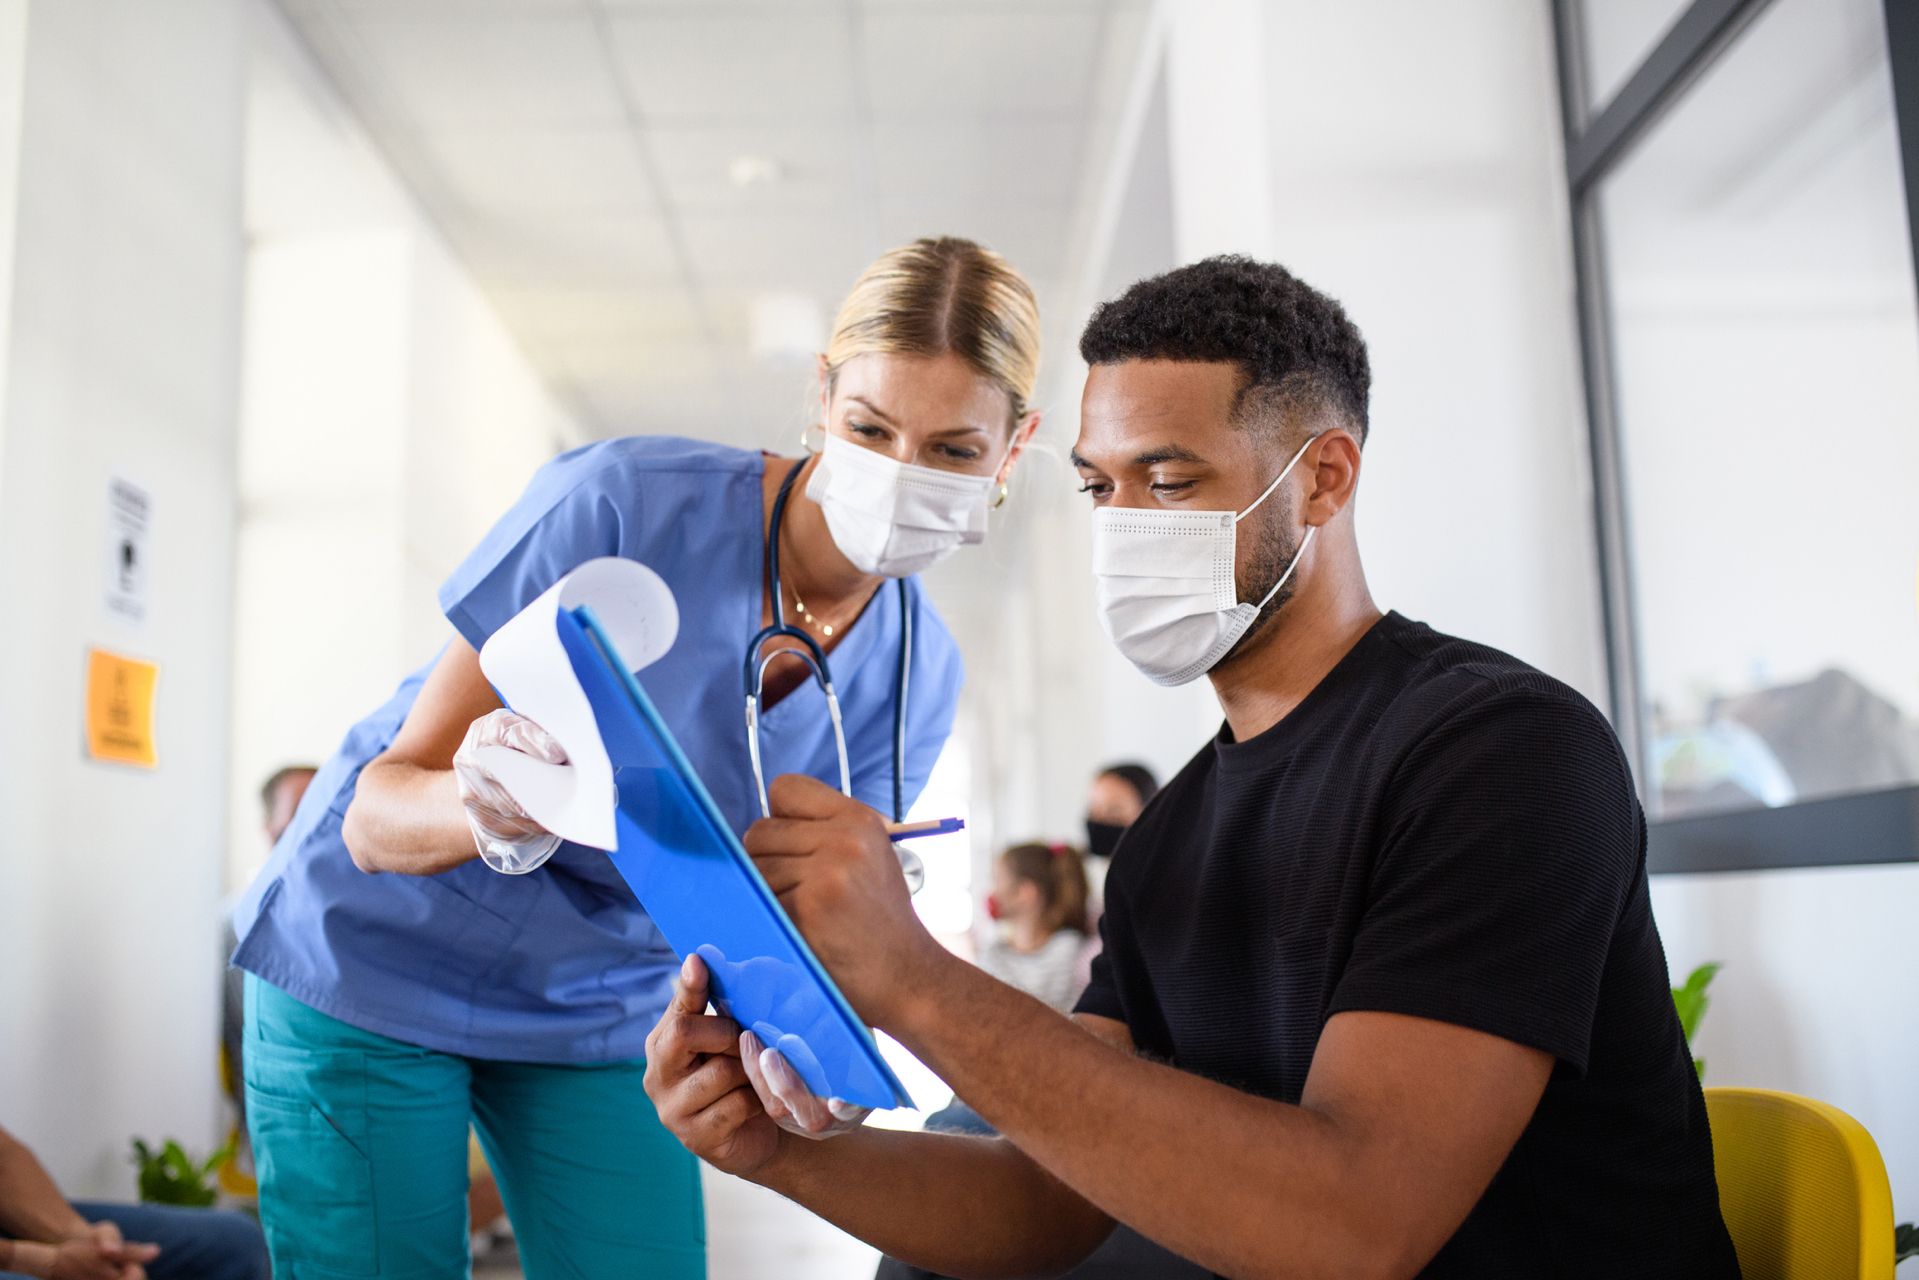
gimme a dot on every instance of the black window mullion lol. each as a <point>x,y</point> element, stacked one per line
<point>1695,38</point>
<point>1902,51</point>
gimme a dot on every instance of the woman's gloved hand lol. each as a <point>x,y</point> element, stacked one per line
<point>787,1100</point>
<point>508,840</point>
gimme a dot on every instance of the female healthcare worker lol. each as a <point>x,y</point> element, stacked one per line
<point>387,1012</point>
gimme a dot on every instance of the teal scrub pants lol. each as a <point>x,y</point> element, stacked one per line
<point>360,1143</point>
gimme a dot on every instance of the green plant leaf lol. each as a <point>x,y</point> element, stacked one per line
<point>170,1176</point>
<point>1905,1242</point>
<point>1690,999</point>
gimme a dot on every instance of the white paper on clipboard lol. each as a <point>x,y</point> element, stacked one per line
<point>529,669</point>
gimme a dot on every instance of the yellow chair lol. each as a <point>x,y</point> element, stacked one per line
<point>1802,1188</point>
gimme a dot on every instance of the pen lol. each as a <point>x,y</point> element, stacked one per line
<point>914,830</point>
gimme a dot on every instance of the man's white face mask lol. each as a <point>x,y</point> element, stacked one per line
<point>895,518</point>
<point>1167,593</point>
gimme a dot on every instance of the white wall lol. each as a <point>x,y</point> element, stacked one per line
<point>387,420</point>
<point>13,53</point>
<point>1420,182</point>
<point>122,358</point>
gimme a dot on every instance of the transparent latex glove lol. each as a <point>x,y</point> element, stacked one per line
<point>793,1106</point>
<point>508,840</point>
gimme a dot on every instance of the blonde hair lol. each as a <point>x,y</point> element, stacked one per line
<point>944,294</point>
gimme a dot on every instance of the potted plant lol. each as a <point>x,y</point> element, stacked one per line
<point>170,1176</point>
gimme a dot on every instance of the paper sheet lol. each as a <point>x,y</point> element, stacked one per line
<point>530,670</point>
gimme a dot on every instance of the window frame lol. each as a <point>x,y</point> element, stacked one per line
<point>1879,826</point>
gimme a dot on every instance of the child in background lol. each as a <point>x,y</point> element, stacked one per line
<point>1039,902</point>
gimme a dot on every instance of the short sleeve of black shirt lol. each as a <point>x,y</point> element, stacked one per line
<point>1508,842</point>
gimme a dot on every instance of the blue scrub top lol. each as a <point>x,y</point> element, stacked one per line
<point>562,965</point>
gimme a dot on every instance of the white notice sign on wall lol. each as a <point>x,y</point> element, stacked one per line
<point>129,518</point>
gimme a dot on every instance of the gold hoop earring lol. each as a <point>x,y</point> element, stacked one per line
<point>1001,500</point>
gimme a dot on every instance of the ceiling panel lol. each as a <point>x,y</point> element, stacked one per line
<point>715,65</point>
<point>456,68</point>
<point>941,62</point>
<point>554,169</point>
<point>570,252</point>
<point>443,8</point>
<point>808,253</point>
<point>1010,160</point>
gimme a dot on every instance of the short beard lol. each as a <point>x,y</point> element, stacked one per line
<point>1273,553</point>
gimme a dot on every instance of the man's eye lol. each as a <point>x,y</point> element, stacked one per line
<point>1168,487</point>
<point>1097,488</point>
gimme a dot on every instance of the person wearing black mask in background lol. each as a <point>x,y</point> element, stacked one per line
<point>1118,793</point>
<point>1118,796</point>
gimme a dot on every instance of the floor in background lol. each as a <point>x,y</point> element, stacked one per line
<point>756,1234</point>
<point>752,1234</point>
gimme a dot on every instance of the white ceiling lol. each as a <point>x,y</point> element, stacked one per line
<point>577,155</point>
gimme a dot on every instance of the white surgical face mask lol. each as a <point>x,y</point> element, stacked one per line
<point>895,518</point>
<point>1167,595</point>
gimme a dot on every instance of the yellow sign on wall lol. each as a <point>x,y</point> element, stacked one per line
<point>120,708</point>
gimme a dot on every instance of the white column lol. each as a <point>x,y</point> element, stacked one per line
<point>1218,110</point>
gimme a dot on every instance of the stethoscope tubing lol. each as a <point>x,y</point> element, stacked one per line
<point>813,654</point>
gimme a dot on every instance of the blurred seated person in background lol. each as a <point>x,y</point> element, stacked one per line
<point>1038,906</point>
<point>280,797</point>
<point>44,1236</point>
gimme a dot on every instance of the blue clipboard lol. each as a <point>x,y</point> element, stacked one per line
<point>694,877</point>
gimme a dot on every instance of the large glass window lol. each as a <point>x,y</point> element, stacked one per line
<point>1618,34</point>
<point>1744,245</point>
<point>1766,374</point>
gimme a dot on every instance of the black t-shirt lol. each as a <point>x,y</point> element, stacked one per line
<point>1441,831</point>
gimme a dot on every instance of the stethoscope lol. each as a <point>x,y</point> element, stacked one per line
<point>814,656</point>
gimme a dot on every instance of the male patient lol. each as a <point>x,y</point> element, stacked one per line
<point>1381,993</point>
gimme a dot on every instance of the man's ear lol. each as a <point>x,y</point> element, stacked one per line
<point>1334,457</point>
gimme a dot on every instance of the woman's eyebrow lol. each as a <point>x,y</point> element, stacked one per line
<point>871,408</point>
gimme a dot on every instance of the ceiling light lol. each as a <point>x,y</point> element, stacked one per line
<point>754,171</point>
